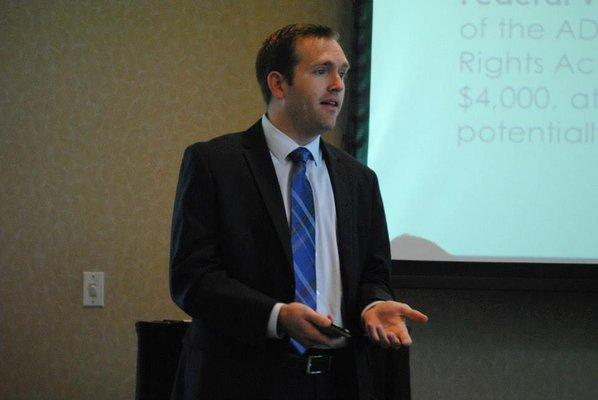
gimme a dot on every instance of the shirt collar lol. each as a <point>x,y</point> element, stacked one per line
<point>280,145</point>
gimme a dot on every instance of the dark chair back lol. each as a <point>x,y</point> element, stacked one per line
<point>159,348</point>
<point>159,345</point>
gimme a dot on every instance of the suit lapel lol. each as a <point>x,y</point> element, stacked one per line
<point>342,186</point>
<point>259,160</point>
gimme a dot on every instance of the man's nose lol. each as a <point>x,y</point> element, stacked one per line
<point>337,83</point>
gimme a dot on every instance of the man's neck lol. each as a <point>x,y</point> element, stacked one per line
<point>286,127</point>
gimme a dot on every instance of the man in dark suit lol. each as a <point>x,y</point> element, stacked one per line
<point>277,235</point>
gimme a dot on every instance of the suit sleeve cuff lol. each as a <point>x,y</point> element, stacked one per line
<point>272,332</point>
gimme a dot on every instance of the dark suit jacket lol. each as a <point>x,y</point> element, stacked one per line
<point>231,262</point>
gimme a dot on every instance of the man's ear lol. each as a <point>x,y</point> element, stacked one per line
<point>276,83</point>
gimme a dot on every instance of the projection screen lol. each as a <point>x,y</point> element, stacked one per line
<point>483,128</point>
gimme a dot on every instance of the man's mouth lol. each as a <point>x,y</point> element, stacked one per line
<point>332,103</point>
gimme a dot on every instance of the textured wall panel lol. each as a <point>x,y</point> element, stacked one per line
<point>499,345</point>
<point>98,101</point>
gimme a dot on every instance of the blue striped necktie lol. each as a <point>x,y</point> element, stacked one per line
<point>303,233</point>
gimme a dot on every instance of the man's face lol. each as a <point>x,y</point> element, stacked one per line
<point>313,102</point>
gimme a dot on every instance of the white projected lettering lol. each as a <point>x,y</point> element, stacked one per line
<point>495,66</point>
<point>525,64</point>
<point>550,133</point>
<point>484,128</point>
<point>583,29</point>
<point>525,2</point>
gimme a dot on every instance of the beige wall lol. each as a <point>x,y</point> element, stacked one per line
<point>98,101</point>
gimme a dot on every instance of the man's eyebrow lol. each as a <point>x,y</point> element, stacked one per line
<point>330,64</point>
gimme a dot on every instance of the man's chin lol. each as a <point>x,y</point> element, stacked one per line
<point>328,125</point>
<point>323,125</point>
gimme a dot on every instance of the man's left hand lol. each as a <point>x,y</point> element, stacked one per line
<point>385,323</point>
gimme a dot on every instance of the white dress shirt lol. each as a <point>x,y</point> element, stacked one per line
<point>329,289</point>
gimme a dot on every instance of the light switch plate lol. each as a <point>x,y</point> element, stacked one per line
<point>93,289</point>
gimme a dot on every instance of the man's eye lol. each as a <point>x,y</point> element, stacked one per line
<point>320,71</point>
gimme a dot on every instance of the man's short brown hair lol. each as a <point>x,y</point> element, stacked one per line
<point>278,52</point>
